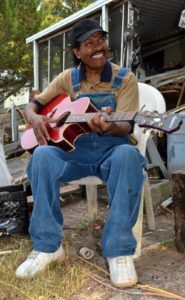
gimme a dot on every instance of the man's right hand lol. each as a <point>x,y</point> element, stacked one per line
<point>40,129</point>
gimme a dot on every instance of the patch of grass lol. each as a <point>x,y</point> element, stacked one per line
<point>167,244</point>
<point>59,281</point>
<point>83,226</point>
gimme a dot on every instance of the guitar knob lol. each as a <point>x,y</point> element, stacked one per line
<point>165,116</point>
<point>152,122</point>
<point>160,134</point>
<point>156,115</point>
<point>161,124</point>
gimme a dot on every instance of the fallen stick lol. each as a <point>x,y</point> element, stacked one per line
<point>8,252</point>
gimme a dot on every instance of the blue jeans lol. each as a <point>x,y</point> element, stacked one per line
<point>112,159</point>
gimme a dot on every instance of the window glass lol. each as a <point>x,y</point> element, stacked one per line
<point>43,65</point>
<point>115,25</point>
<point>68,54</point>
<point>56,56</point>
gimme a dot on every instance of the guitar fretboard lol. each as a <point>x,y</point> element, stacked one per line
<point>114,117</point>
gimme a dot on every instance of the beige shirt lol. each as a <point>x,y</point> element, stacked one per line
<point>127,96</point>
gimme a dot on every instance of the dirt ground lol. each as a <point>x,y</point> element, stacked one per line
<point>160,265</point>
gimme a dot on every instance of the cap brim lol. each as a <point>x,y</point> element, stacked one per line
<point>86,35</point>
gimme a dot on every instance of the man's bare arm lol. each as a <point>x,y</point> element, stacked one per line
<point>38,122</point>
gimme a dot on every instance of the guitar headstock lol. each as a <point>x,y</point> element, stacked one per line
<point>163,122</point>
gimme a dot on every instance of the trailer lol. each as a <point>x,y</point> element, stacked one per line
<point>144,35</point>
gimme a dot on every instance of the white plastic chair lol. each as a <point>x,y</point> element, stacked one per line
<point>152,100</point>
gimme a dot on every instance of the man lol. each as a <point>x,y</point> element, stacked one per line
<point>105,152</point>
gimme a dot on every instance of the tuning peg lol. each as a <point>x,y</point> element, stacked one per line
<point>160,134</point>
<point>156,114</point>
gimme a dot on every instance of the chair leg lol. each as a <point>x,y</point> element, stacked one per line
<point>149,205</point>
<point>91,192</point>
<point>138,227</point>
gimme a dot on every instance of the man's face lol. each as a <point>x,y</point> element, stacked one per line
<point>93,51</point>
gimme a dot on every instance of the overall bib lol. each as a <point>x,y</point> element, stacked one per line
<point>112,159</point>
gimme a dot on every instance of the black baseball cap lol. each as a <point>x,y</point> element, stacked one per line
<point>84,29</point>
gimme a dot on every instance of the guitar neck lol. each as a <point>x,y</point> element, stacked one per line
<point>167,123</point>
<point>114,117</point>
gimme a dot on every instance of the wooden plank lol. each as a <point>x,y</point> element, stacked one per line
<point>181,94</point>
<point>160,191</point>
<point>177,109</point>
<point>169,92</point>
<point>178,191</point>
<point>69,188</point>
<point>161,83</point>
<point>12,146</point>
<point>166,74</point>
<point>21,179</point>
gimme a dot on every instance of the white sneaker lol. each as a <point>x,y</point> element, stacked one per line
<point>38,261</point>
<point>122,271</point>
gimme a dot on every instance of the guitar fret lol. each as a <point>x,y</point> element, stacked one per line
<point>114,117</point>
<point>79,118</point>
<point>122,116</point>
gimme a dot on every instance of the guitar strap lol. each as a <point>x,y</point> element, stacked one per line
<point>75,79</point>
<point>119,77</point>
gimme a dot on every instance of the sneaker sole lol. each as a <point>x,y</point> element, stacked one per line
<point>125,284</point>
<point>59,259</point>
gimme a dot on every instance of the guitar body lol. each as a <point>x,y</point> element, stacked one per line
<point>64,135</point>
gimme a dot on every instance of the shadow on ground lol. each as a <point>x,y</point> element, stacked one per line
<point>160,265</point>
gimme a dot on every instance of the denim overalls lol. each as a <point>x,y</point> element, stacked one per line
<point>113,159</point>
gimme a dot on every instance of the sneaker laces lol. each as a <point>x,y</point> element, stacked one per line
<point>121,260</point>
<point>33,254</point>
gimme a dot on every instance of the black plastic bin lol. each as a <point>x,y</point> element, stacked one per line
<point>13,210</point>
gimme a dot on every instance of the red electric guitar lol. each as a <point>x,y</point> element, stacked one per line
<point>72,117</point>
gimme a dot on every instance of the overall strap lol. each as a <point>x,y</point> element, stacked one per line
<point>118,78</point>
<point>75,79</point>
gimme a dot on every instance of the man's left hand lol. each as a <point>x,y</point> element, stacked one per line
<point>98,122</point>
